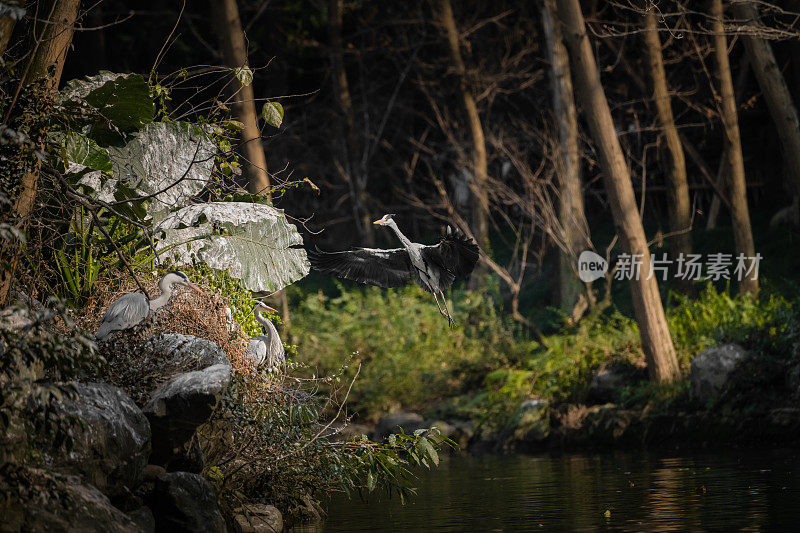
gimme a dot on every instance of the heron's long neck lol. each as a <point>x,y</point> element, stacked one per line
<point>161,301</point>
<point>267,323</point>
<point>403,238</point>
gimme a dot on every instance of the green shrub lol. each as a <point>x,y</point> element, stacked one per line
<point>408,355</point>
<point>483,368</point>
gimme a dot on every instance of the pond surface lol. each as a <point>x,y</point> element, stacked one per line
<point>735,490</point>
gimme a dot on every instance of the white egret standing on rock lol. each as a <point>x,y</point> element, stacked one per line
<point>434,268</point>
<point>266,349</point>
<point>131,309</point>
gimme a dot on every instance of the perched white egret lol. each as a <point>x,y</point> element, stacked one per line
<point>434,268</point>
<point>131,309</point>
<point>266,349</point>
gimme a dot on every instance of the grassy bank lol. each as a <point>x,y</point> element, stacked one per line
<point>482,369</point>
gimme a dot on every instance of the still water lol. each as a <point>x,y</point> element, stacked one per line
<point>731,491</point>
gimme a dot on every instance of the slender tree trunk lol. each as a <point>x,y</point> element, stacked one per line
<point>740,214</point>
<point>722,169</point>
<point>680,211</point>
<point>571,207</point>
<point>480,202</point>
<point>52,43</point>
<point>234,50</point>
<point>341,89</point>
<point>656,342</point>
<point>776,93</point>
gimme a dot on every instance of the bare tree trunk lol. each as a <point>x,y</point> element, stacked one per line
<point>480,202</point>
<point>341,89</point>
<point>656,342</point>
<point>53,39</point>
<point>722,169</point>
<point>776,93</point>
<point>571,207</point>
<point>680,211</point>
<point>234,50</point>
<point>740,214</point>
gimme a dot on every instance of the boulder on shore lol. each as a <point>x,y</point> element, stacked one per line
<point>712,368</point>
<point>111,441</point>
<point>182,501</point>
<point>258,518</point>
<point>186,401</point>
<point>393,422</point>
<point>530,424</point>
<point>64,505</point>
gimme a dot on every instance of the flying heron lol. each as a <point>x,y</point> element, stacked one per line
<point>433,267</point>
<point>131,309</point>
<point>266,348</point>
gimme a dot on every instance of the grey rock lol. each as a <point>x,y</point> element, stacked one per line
<point>78,509</point>
<point>258,518</point>
<point>180,405</point>
<point>144,519</point>
<point>605,384</point>
<point>352,432</point>
<point>712,368</point>
<point>111,439</point>
<point>463,433</point>
<point>185,502</point>
<point>530,423</point>
<point>392,422</point>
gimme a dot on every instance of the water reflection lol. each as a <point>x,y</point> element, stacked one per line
<point>745,491</point>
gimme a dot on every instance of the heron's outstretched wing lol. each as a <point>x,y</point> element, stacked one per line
<point>455,257</point>
<point>126,312</point>
<point>383,268</point>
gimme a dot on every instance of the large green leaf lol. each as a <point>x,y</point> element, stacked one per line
<point>171,160</point>
<point>84,151</point>
<point>122,99</point>
<point>251,241</point>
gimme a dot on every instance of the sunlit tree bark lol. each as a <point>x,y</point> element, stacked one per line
<point>680,211</point>
<point>776,93</point>
<point>571,207</point>
<point>656,341</point>
<point>480,202</point>
<point>737,186</point>
<point>234,49</point>
<point>53,38</point>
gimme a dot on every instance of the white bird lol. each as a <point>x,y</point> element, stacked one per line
<point>266,349</point>
<point>131,309</point>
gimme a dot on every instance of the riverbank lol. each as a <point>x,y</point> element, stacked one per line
<point>586,386</point>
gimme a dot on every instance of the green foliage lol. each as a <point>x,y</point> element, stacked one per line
<point>36,364</point>
<point>717,317</point>
<point>241,301</point>
<point>484,368</point>
<point>268,443</point>
<point>409,355</point>
<point>113,103</point>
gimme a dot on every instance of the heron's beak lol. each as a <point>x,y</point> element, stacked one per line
<point>270,309</point>
<point>195,287</point>
<point>379,221</point>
